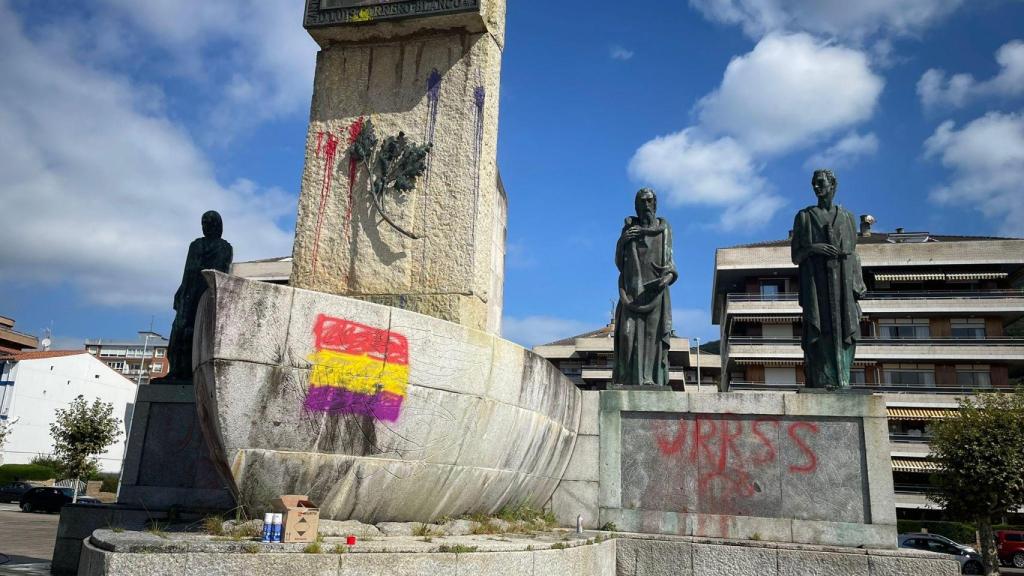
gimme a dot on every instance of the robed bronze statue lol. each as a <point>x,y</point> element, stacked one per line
<point>825,248</point>
<point>210,252</point>
<point>643,317</point>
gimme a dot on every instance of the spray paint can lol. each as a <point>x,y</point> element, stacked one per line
<point>268,527</point>
<point>278,518</point>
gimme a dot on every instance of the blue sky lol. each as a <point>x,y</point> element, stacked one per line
<point>123,121</point>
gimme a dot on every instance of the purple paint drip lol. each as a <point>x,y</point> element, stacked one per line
<point>479,98</point>
<point>334,400</point>
<point>433,103</point>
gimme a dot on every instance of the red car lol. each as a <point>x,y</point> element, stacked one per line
<point>1010,547</point>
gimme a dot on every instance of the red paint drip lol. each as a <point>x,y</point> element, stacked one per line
<point>353,132</point>
<point>329,150</point>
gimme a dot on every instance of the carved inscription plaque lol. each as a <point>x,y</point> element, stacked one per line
<point>340,12</point>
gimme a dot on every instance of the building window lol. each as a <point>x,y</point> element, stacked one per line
<point>857,377</point>
<point>161,352</point>
<point>904,329</point>
<point>770,289</point>
<point>968,328</point>
<point>973,376</point>
<point>919,375</point>
<point>156,367</point>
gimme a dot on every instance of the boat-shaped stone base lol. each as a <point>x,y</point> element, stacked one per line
<point>375,412</point>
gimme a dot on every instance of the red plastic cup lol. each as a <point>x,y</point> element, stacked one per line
<point>350,540</point>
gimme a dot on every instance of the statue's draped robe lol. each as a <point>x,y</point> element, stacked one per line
<point>203,254</point>
<point>643,317</point>
<point>830,288</point>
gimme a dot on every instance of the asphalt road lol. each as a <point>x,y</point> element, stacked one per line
<point>25,538</point>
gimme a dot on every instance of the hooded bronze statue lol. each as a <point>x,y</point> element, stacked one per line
<point>643,317</point>
<point>824,246</point>
<point>210,252</point>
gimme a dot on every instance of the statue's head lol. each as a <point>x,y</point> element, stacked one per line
<point>213,226</point>
<point>824,183</point>
<point>646,203</point>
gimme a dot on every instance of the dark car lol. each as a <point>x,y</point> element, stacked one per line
<point>968,557</point>
<point>50,499</point>
<point>14,491</point>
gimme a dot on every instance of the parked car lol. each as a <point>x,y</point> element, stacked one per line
<point>50,499</point>
<point>1010,547</point>
<point>13,492</point>
<point>970,560</point>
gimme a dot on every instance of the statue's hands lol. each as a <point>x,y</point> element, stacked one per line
<point>633,232</point>
<point>825,250</point>
<point>665,280</point>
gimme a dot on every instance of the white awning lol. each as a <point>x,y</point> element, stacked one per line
<point>978,276</point>
<point>925,277</point>
<point>767,319</point>
<point>908,277</point>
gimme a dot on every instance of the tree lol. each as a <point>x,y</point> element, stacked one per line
<point>980,455</point>
<point>80,432</point>
<point>5,431</point>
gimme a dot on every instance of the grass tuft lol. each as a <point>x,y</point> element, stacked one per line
<point>559,546</point>
<point>456,548</point>
<point>213,525</point>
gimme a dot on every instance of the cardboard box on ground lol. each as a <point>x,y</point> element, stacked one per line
<point>301,518</point>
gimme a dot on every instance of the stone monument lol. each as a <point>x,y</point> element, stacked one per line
<point>643,316</point>
<point>824,246</point>
<point>430,70</point>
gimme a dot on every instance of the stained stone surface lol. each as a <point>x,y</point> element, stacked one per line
<point>483,423</point>
<point>442,88</point>
<point>762,466</point>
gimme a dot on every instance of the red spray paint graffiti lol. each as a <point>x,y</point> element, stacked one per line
<point>730,455</point>
<point>327,144</point>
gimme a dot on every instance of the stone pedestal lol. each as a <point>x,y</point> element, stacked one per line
<point>435,78</point>
<point>167,464</point>
<point>801,468</point>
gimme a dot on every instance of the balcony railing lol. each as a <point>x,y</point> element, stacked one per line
<point>908,439</point>
<point>880,295</point>
<point>990,341</point>
<point>885,388</point>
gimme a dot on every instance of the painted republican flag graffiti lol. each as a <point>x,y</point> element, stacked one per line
<point>358,369</point>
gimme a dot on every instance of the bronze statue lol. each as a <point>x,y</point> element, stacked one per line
<point>210,252</point>
<point>825,248</point>
<point>643,317</point>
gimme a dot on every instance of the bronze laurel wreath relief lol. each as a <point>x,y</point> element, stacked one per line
<point>393,167</point>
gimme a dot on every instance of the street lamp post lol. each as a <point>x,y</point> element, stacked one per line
<point>697,340</point>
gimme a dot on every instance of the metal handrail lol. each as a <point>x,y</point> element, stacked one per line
<point>880,295</point>
<point>1013,341</point>
<point>883,388</point>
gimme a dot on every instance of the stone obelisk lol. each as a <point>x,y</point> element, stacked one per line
<point>429,69</point>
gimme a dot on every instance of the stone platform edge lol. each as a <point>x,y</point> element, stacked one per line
<point>620,555</point>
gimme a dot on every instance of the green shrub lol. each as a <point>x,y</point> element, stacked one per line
<point>961,532</point>
<point>25,472</point>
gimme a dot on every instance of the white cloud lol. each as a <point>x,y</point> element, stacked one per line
<point>847,19</point>
<point>616,52</point>
<point>253,56</point>
<point>986,158</point>
<point>101,192</point>
<point>790,92</point>
<point>845,152</point>
<point>691,169</point>
<point>530,331</point>
<point>937,90</point>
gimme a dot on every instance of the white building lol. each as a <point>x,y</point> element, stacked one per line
<point>33,385</point>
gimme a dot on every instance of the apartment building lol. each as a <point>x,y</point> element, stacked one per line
<point>938,322</point>
<point>587,360</point>
<point>13,341</point>
<point>35,384</point>
<point>140,360</point>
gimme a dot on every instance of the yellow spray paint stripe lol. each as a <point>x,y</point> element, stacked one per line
<point>360,374</point>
